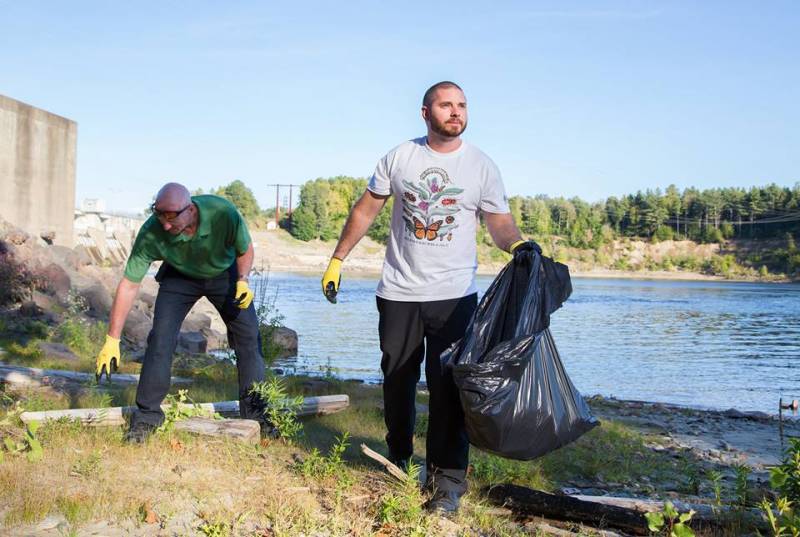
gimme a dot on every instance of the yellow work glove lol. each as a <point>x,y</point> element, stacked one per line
<point>244,295</point>
<point>108,360</point>
<point>331,279</point>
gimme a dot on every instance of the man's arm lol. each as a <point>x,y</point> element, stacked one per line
<point>244,262</point>
<point>123,301</point>
<point>503,230</point>
<point>361,217</point>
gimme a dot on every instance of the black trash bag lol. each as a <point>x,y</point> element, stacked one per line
<point>518,401</point>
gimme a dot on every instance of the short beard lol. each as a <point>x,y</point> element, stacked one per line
<point>442,129</point>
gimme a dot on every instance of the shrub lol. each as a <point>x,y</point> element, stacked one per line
<point>663,233</point>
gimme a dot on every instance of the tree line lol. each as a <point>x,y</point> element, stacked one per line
<point>710,215</point>
<point>714,215</point>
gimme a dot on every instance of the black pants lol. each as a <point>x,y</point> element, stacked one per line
<point>176,296</point>
<point>410,332</point>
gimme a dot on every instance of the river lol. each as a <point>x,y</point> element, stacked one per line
<point>703,344</point>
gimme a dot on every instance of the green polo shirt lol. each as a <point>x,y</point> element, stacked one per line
<point>221,237</point>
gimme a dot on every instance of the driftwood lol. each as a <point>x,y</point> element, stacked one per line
<point>247,431</point>
<point>31,377</point>
<point>392,468</point>
<point>525,501</point>
<point>547,529</point>
<point>626,514</point>
<point>312,406</point>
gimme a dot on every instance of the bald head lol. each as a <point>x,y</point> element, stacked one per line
<point>173,197</point>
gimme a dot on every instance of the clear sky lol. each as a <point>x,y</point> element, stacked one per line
<point>592,98</point>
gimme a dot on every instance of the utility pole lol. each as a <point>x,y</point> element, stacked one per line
<point>278,201</point>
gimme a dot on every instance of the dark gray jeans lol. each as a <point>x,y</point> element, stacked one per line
<point>176,296</point>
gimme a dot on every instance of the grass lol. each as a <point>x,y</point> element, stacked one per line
<point>223,488</point>
<point>320,484</point>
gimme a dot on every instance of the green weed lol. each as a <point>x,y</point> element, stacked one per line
<point>281,410</point>
<point>27,443</point>
<point>180,407</point>
<point>785,478</point>
<point>317,466</point>
<point>670,522</point>
<point>740,485</point>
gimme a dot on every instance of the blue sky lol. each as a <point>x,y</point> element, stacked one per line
<point>569,98</point>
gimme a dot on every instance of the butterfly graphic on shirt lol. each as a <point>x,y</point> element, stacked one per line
<point>421,231</point>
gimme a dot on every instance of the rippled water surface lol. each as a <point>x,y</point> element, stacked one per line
<point>708,344</point>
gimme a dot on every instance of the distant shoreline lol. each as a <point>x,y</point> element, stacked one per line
<point>591,274</point>
<point>278,251</point>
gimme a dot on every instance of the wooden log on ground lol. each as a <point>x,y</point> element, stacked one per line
<point>626,514</point>
<point>247,431</point>
<point>33,377</point>
<point>704,514</point>
<point>525,501</point>
<point>312,406</point>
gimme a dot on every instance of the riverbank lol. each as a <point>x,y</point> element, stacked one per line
<point>278,251</point>
<point>89,482</point>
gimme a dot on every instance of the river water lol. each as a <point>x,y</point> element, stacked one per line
<point>703,344</point>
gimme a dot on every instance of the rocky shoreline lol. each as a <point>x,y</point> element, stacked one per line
<point>714,441</point>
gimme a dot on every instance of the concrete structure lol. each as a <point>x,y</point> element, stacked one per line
<point>37,170</point>
<point>107,237</point>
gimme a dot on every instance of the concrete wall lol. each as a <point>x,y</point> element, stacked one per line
<point>37,170</point>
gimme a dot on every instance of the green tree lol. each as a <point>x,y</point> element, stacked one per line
<point>241,196</point>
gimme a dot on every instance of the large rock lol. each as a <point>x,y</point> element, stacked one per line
<point>30,308</point>
<point>137,328</point>
<point>98,300</point>
<point>55,281</point>
<point>196,322</point>
<point>192,342</point>
<point>216,339</point>
<point>16,236</point>
<point>284,338</point>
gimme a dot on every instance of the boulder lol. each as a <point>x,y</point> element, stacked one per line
<point>30,309</point>
<point>83,257</point>
<point>98,299</point>
<point>196,322</point>
<point>55,281</point>
<point>216,339</point>
<point>137,328</point>
<point>148,299</point>
<point>16,236</point>
<point>285,339</point>
<point>192,342</point>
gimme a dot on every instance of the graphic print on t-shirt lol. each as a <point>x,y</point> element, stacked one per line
<point>430,206</point>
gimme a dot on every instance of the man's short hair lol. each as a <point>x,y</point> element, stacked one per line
<point>427,99</point>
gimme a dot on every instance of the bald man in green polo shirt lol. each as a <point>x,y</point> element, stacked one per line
<point>206,251</point>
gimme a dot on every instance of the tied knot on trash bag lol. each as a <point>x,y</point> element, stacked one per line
<point>517,399</point>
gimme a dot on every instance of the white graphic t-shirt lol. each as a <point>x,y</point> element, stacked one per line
<point>432,251</point>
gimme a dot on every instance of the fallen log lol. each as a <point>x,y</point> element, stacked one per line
<point>247,431</point>
<point>33,377</point>
<point>704,514</point>
<point>626,514</point>
<point>525,501</point>
<point>312,406</point>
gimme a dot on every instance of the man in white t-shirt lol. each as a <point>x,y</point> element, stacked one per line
<point>427,292</point>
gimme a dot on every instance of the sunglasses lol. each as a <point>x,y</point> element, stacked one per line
<point>169,216</point>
